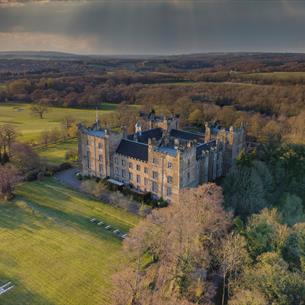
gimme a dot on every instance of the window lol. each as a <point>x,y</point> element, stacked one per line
<point>155,160</point>
<point>101,168</point>
<point>145,170</point>
<point>130,176</point>
<point>138,167</point>
<point>155,187</point>
<point>169,164</point>
<point>169,191</point>
<point>138,179</point>
<point>88,159</point>
<point>188,176</point>
<point>123,173</point>
<point>155,175</point>
<point>116,160</point>
<point>123,163</point>
<point>169,179</point>
<point>188,162</point>
<point>130,165</point>
<point>100,157</point>
<point>145,181</point>
<point>116,170</point>
<point>100,146</point>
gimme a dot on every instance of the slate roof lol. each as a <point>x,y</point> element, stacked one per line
<point>145,135</point>
<point>167,150</point>
<point>186,135</point>
<point>204,146</point>
<point>96,133</point>
<point>133,149</point>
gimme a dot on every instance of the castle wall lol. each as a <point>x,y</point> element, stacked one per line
<point>163,169</point>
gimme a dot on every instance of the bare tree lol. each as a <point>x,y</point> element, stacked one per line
<point>233,259</point>
<point>39,109</point>
<point>9,177</point>
<point>24,158</point>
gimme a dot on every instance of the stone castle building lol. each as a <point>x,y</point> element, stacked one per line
<point>159,157</point>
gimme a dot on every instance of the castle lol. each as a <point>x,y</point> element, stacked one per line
<point>159,157</point>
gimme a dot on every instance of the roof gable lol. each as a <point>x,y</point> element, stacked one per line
<point>133,149</point>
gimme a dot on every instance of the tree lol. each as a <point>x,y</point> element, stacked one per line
<point>291,209</point>
<point>69,126</point>
<point>272,277</point>
<point>9,177</point>
<point>248,297</point>
<point>182,241</point>
<point>39,109</point>
<point>265,233</point>
<point>293,251</point>
<point>24,158</point>
<point>94,188</point>
<point>8,136</point>
<point>233,258</point>
<point>246,187</point>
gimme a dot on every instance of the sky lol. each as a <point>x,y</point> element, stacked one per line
<point>150,27</point>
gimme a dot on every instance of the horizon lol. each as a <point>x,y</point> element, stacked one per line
<point>152,28</point>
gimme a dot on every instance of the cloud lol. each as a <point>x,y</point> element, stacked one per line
<point>152,26</point>
<point>28,41</point>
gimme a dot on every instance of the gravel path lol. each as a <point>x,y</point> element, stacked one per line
<point>68,178</point>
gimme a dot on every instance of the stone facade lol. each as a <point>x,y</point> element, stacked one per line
<point>159,157</point>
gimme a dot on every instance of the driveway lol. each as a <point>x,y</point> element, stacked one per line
<point>68,178</point>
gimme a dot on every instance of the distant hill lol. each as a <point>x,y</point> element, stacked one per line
<point>38,55</point>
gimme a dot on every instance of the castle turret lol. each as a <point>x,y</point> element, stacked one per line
<point>138,128</point>
<point>207,135</point>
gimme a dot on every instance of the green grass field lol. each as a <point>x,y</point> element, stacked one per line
<point>51,251</point>
<point>30,126</point>
<point>55,153</point>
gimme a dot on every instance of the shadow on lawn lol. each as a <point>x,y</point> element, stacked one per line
<point>19,294</point>
<point>15,214</point>
<point>74,220</point>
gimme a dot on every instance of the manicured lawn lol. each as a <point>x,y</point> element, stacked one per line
<point>30,127</point>
<point>55,153</point>
<point>51,251</point>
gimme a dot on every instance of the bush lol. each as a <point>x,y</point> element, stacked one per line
<point>79,176</point>
<point>71,155</point>
<point>31,175</point>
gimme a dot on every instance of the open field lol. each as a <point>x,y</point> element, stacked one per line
<point>30,127</point>
<point>278,76</point>
<point>55,153</point>
<point>51,251</point>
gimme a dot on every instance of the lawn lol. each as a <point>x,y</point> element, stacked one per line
<point>30,126</point>
<point>55,153</point>
<point>50,250</point>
